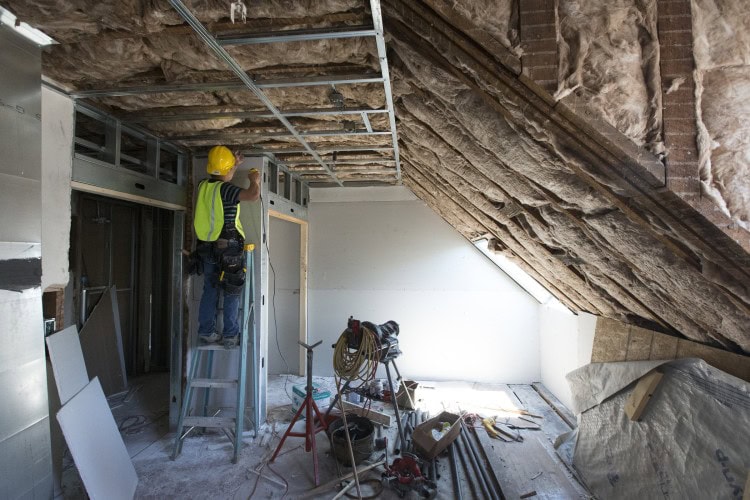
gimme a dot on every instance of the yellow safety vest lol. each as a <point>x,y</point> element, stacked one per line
<point>208,219</point>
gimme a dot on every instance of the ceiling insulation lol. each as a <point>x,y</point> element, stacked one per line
<point>571,189</point>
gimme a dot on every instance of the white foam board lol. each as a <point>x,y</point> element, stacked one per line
<point>96,445</point>
<point>68,365</point>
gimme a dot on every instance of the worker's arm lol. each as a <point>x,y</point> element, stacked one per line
<point>251,193</point>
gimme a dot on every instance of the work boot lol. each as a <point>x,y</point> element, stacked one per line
<point>231,342</point>
<point>209,339</point>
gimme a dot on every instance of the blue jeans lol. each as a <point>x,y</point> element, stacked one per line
<point>210,301</point>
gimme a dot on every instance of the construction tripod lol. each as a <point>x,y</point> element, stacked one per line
<point>232,426</point>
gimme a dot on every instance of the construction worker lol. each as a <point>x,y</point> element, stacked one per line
<point>221,243</point>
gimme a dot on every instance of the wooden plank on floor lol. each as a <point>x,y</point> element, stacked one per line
<point>552,424</point>
<point>556,405</point>
<point>530,465</point>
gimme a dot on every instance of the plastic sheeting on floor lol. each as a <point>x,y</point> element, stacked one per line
<point>693,439</point>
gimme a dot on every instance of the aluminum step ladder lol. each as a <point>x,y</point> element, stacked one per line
<point>232,426</point>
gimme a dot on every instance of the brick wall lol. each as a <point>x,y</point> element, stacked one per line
<point>538,35</point>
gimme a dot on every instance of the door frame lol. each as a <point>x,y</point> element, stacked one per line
<point>303,243</point>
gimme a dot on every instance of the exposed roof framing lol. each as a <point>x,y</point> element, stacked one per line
<point>275,83</point>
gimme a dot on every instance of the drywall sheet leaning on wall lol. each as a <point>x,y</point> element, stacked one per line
<point>101,342</point>
<point>67,363</point>
<point>692,440</point>
<point>96,445</point>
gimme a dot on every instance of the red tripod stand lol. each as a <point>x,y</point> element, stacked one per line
<point>308,406</point>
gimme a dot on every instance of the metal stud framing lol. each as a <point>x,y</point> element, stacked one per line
<point>246,82</point>
<point>275,83</point>
<point>237,69</point>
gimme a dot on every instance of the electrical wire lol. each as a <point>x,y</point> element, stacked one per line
<point>264,238</point>
<point>360,364</point>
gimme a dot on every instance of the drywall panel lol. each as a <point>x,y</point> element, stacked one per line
<point>25,463</point>
<point>101,342</point>
<point>96,445</point>
<point>67,363</point>
<point>24,428</point>
<point>57,164</point>
<point>461,317</point>
<point>20,139</point>
<point>566,341</point>
<point>284,294</point>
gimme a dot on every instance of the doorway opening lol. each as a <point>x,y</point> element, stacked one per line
<point>127,246</point>
<point>285,288</point>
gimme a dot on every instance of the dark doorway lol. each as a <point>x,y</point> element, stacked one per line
<point>126,245</point>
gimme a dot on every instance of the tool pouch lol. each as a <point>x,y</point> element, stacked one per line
<point>232,270</point>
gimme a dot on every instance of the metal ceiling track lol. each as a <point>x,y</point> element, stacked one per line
<point>296,35</point>
<point>223,135</point>
<point>153,117</point>
<point>377,22</point>
<point>322,150</point>
<point>312,81</point>
<point>214,45</point>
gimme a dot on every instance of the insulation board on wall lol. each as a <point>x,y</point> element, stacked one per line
<point>67,363</point>
<point>101,342</point>
<point>96,445</point>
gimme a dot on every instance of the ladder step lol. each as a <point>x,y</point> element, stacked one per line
<point>215,347</point>
<point>209,422</point>
<point>221,383</point>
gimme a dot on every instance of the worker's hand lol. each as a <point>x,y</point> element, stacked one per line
<point>254,176</point>
<point>238,158</point>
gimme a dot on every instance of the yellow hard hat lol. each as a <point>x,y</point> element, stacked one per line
<point>220,160</point>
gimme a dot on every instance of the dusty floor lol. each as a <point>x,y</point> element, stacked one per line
<point>204,469</point>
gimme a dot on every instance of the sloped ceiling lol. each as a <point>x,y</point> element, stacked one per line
<point>570,187</point>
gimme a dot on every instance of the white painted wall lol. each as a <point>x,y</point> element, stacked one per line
<point>57,167</point>
<point>380,254</point>
<point>283,315</point>
<point>566,343</point>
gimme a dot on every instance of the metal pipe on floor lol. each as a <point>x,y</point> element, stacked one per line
<point>454,473</point>
<point>475,463</point>
<point>465,466</point>
<point>484,473</point>
<point>490,473</point>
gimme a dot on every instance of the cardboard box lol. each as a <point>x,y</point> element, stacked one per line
<point>321,397</point>
<point>413,390</point>
<point>425,444</point>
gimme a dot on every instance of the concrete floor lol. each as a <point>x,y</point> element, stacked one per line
<point>204,469</point>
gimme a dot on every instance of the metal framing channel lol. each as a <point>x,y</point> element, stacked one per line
<point>160,117</point>
<point>377,22</point>
<point>222,135</point>
<point>352,161</point>
<point>175,365</point>
<point>237,69</point>
<point>312,81</point>
<point>296,35</point>
<point>329,149</point>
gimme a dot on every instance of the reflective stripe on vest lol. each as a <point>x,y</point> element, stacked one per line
<point>209,212</point>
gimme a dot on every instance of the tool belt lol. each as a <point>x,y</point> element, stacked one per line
<point>228,253</point>
<point>231,260</point>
